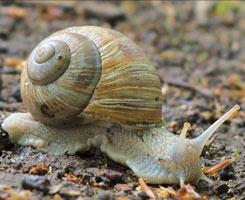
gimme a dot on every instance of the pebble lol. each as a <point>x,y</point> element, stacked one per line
<point>102,175</point>
<point>60,174</point>
<point>40,183</point>
<point>92,171</point>
<point>87,190</point>
<point>226,173</point>
<point>105,195</point>
<point>113,175</point>
<point>222,188</point>
<point>102,181</point>
<point>122,187</point>
<point>240,186</point>
<point>143,195</point>
<point>65,170</point>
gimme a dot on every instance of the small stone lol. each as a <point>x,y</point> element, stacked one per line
<point>122,187</point>
<point>92,171</point>
<point>78,173</point>
<point>113,175</point>
<point>55,189</point>
<point>74,193</point>
<point>86,176</point>
<point>102,181</point>
<point>69,168</point>
<point>105,195</point>
<point>65,170</point>
<point>143,195</point>
<point>222,188</point>
<point>226,173</point>
<point>240,186</point>
<point>87,190</point>
<point>40,183</point>
<point>60,174</point>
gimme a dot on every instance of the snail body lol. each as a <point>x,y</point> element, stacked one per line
<point>92,86</point>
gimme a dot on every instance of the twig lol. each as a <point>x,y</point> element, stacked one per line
<point>211,140</point>
<point>146,189</point>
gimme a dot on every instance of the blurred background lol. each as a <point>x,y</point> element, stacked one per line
<point>197,48</point>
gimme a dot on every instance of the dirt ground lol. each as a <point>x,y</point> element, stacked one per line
<point>199,55</point>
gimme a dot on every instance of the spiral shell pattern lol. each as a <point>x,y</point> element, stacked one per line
<point>104,76</point>
<point>52,57</point>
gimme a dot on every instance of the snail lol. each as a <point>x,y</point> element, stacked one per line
<point>92,86</point>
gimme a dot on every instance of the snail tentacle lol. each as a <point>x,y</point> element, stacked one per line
<point>180,146</point>
<point>203,138</point>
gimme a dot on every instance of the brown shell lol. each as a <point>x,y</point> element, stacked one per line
<point>127,91</point>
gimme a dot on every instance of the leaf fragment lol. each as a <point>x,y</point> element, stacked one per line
<point>146,189</point>
<point>212,170</point>
<point>41,170</point>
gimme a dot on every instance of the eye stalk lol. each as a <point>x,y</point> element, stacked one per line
<point>180,146</point>
<point>203,138</point>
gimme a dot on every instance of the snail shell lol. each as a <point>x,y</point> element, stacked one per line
<point>91,73</point>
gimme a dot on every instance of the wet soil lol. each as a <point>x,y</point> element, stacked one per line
<point>200,58</point>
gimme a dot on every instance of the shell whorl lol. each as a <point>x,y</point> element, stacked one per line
<point>50,57</point>
<point>108,78</point>
<point>58,102</point>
